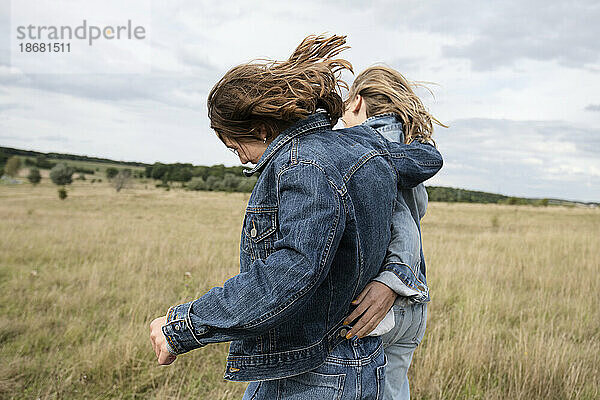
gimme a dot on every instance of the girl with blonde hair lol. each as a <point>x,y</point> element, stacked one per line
<point>394,304</point>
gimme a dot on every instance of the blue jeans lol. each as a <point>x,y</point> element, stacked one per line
<point>399,345</point>
<point>355,369</point>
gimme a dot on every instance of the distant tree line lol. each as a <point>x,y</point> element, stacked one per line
<point>216,177</point>
<point>62,156</point>
<point>454,195</point>
<point>449,194</point>
<point>222,178</point>
<point>179,172</point>
<point>42,162</point>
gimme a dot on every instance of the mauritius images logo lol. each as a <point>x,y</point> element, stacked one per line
<point>85,32</point>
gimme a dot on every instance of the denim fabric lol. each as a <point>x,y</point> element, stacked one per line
<point>399,345</point>
<point>355,369</point>
<point>315,233</point>
<point>404,265</point>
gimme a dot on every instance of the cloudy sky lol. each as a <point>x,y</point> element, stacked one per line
<point>518,82</point>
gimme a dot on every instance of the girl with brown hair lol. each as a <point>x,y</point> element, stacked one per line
<point>315,232</point>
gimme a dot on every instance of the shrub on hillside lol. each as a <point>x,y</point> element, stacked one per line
<point>61,174</point>
<point>13,166</point>
<point>197,183</point>
<point>111,172</point>
<point>85,170</point>
<point>34,176</point>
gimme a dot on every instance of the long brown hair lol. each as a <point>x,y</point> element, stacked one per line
<point>385,90</point>
<point>272,95</point>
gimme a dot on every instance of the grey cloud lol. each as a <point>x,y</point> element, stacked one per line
<point>9,106</point>
<point>533,158</point>
<point>494,34</point>
<point>592,107</point>
<point>565,32</point>
<point>191,76</point>
<point>406,63</point>
<point>162,88</point>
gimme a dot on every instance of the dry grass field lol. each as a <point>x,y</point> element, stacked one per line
<point>514,311</point>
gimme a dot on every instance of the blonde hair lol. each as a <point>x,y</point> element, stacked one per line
<point>385,90</point>
<point>272,95</point>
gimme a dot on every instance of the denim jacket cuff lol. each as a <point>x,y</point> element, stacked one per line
<point>179,331</point>
<point>393,281</point>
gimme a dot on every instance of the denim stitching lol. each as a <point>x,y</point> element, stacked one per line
<point>375,117</point>
<point>190,327</point>
<point>361,161</point>
<point>307,162</point>
<point>294,151</point>
<point>359,362</point>
<point>420,322</point>
<point>388,268</point>
<point>268,232</point>
<point>174,346</point>
<point>261,209</point>
<point>341,383</point>
<point>256,392</point>
<point>278,353</point>
<point>360,267</point>
<point>304,128</point>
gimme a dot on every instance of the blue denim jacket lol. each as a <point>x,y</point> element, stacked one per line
<point>315,233</point>
<point>404,265</point>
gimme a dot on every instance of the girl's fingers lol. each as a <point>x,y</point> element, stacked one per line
<point>368,327</point>
<point>362,295</point>
<point>361,308</point>
<point>360,324</point>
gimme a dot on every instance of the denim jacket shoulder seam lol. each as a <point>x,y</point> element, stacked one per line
<point>362,161</point>
<point>294,151</point>
<point>287,167</point>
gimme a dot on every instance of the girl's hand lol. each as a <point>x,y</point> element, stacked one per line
<point>159,342</point>
<point>371,305</point>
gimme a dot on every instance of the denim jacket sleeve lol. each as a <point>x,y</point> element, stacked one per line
<point>414,163</point>
<point>269,291</point>
<point>404,249</point>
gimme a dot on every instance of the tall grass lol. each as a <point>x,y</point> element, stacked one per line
<point>514,312</point>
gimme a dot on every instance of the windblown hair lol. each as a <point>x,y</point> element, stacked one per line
<point>272,95</point>
<point>385,90</point>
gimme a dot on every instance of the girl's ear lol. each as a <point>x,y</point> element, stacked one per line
<point>358,102</point>
<point>263,133</point>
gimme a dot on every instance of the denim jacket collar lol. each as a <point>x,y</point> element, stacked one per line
<point>319,119</point>
<point>387,124</point>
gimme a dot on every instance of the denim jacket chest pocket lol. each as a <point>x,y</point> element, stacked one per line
<point>259,233</point>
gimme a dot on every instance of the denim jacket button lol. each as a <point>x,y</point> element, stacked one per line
<point>176,327</point>
<point>253,232</point>
<point>343,332</point>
